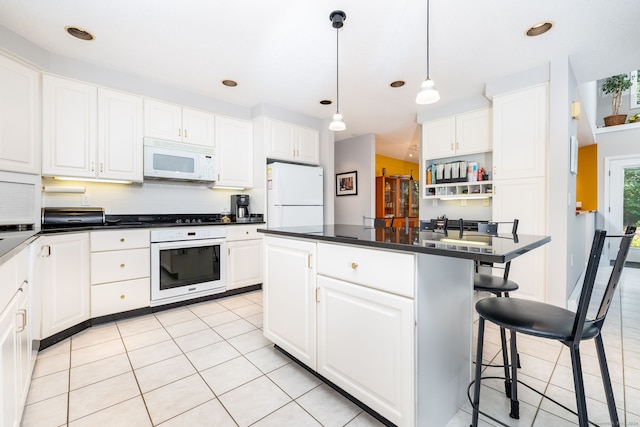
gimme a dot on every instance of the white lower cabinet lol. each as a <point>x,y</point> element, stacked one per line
<point>339,310</point>
<point>366,346</point>
<point>244,256</point>
<point>289,297</point>
<point>120,270</point>
<point>16,324</point>
<point>62,269</point>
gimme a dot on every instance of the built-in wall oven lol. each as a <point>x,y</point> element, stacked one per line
<point>187,262</point>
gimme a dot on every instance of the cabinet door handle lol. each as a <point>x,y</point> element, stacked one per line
<point>494,170</point>
<point>308,260</point>
<point>457,146</point>
<point>121,296</point>
<point>317,296</point>
<point>179,132</point>
<point>185,133</point>
<point>47,249</point>
<point>354,265</point>
<point>93,166</point>
<point>122,240</point>
<point>101,167</point>
<point>121,265</point>
<point>23,323</point>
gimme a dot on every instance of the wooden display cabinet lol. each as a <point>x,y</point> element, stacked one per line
<point>398,197</point>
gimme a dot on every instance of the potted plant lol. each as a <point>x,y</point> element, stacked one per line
<point>616,85</point>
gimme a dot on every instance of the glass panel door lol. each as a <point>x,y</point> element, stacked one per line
<point>624,202</point>
<point>389,197</point>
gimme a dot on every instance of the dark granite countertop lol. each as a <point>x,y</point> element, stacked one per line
<point>471,245</point>
<point>13,242</point>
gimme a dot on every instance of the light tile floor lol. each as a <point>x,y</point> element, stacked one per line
<point>208,364</point>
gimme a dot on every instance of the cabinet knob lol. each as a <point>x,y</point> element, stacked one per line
<point>246,232</point>
<point>121,296</point>
<point>354,265</point>
<point>122,240</point>
<point>121,265</point>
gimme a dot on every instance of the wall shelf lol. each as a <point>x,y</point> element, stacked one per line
<point>459,190</point>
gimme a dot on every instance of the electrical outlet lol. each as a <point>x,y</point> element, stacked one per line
<point>485,202</point>
<point>463,202</point>
<point>434,202</point>
<point>85,200</point>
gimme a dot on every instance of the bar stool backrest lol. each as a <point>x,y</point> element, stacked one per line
<point>590,278</point>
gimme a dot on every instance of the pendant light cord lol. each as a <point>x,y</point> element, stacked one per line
<point>337,73</point>
<point>428,25</point>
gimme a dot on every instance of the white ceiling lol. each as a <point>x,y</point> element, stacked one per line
<point>282,52</point>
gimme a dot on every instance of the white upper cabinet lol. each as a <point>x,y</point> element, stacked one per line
<point>174,122</point>
<point>90,132</point>
<point>234,152</point>
<point>520,133</point>
<point>286,141</point>
<point>19,118</point>
<point>119,136</point>
<point>466,133</point>
<point>69,113</point>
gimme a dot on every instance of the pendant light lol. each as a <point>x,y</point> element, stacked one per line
<point>337,18</point>
<point>428,93</point>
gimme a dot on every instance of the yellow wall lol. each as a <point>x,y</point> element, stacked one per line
<point>397,167</point>
<point>587,178</point>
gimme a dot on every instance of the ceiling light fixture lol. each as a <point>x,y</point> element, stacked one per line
<point>397,83</point>
<point>337,18</point>
<point>326,102</point>
<point>428,93</point>
<point>539,28</point>
<point>230,83</point>
<point>79,33</point>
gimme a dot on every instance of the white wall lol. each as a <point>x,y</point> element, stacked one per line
<point>356,154</point>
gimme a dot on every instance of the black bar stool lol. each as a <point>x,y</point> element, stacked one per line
<point>500,286</point>
<point>552,322</point>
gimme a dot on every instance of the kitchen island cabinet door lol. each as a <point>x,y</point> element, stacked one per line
<point>289,297</point>
<point>366,346</point>
<point>62,268</point>
<point>119,136</point>
<point>69,113</point>
<point>19,118</point>
<point>234,152</point>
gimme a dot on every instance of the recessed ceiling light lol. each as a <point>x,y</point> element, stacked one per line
<point>397,83</point>
<point>326,102</point>
<point>230,83</point>
<point>539,28</point>
<point>79,33</point>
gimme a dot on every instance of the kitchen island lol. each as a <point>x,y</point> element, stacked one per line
<point>385,314</point>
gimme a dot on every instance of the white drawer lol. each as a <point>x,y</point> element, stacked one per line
<point>119,239</point>
<point>243,232</point>
<point>115,266</point>
<point>117,297</point>
<point>385,270</point>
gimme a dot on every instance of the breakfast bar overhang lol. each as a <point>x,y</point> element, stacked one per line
<point>385,314</point>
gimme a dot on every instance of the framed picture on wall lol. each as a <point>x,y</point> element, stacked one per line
<point>347,183</point>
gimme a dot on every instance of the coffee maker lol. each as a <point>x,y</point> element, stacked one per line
<point>240,207</point>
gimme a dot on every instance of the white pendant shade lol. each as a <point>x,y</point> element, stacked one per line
<point>428,93</point>
<point>337,124</point>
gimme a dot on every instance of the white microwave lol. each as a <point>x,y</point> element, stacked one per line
<point>178,161</point>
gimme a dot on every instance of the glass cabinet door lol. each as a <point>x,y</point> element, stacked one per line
<point>389,197</point>
<point>415,199</point>
<point>403,198</point>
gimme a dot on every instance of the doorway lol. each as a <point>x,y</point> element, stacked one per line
<point>622,197</point>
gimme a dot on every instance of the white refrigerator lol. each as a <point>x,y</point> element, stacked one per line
<point>294,195</point>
